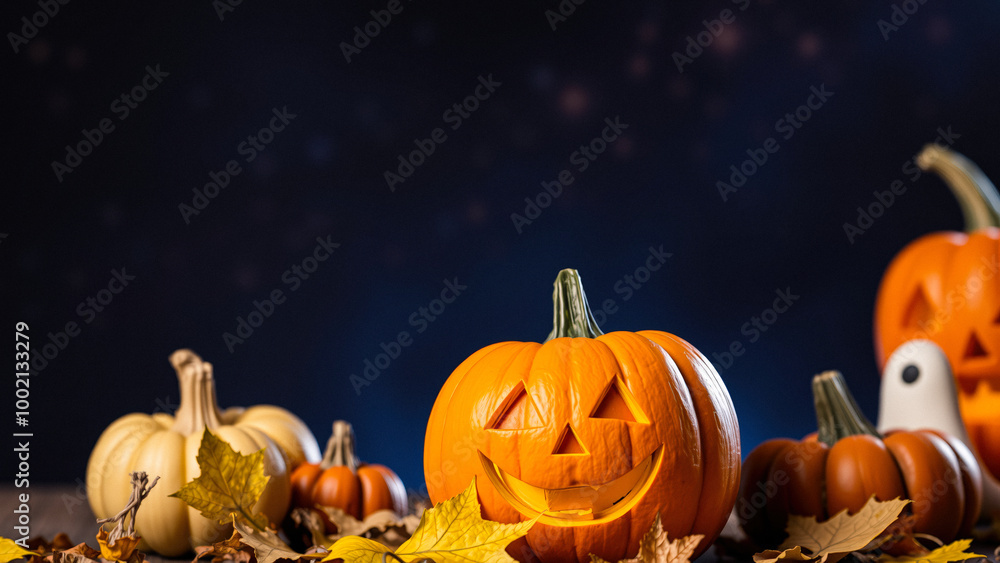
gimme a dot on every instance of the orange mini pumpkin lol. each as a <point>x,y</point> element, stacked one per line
<point>847,462</point>
<point>945,287</point>
<point>340,481</point>
<point>591,433</point>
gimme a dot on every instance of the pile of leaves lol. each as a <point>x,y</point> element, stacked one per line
<point>230,484</point>
<point>864,537</point>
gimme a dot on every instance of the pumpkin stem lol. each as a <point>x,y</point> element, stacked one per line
<point>571,316</point>
<point>198,409</point>
<point>837,414</point>
<point>340,448</point>
<point>975,192</point>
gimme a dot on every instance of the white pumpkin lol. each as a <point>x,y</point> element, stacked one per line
<point>166,446</point>
<point>918,392</point>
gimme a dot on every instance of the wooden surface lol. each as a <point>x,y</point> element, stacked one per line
<point>56,509</point>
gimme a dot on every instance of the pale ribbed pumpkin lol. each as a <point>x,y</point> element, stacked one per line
<point>166,446</point>
<point>599,431</point>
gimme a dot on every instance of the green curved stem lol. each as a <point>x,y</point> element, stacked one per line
<point>571,314</point>
<point>837,414</point>
<point>975,193</point>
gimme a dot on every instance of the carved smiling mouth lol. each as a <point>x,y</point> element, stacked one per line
<point>578,505</point>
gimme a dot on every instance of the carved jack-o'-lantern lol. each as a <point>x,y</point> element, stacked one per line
<point>591,433</point>
<point>945,287</point>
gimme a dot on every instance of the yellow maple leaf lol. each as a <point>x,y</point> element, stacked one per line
<point>230,483</point>
<point>119,550</point>
<point>451,532</point>
<point>830,540</point>
<point>655,547</point>
<point>11,550</point>
<point>954,551</point>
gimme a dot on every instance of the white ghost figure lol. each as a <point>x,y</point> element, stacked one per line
<point>918,392</point>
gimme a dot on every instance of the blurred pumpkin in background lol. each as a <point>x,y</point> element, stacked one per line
<point>945,287</point>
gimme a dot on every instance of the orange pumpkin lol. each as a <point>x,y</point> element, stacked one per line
<point>340,481</point>
<point>591,433</point>
<point>847,462</point>
<point>945,287</point>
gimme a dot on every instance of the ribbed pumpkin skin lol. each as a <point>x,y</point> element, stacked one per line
<point>675,387</point>
<point>138,442</point>
<point>808,478</point>
<point>372,488</point>
<point>956,275</point>
<point>166,446</point>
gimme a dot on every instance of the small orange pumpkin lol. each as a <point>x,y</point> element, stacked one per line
<point>847,462</point>
<point>340,481</point>
<point>590,433</point>
<point>945,287</point>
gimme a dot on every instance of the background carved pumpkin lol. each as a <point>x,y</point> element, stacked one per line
<point>847,462</point>
<point>602,430</point>
<point>340,481</point>
<point>166,446</point>
<point>945,287</point>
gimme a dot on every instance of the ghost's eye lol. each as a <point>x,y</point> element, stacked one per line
<point>911,373</point>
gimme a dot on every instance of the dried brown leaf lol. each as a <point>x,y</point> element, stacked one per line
<point>230,549</point>
<point>656,547</point>
<point>267,546</point>
<point>310,523</point>
<point>830,540</point>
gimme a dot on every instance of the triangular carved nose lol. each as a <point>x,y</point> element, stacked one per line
<point>569,443</point>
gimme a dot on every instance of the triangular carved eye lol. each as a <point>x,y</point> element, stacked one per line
<point>517,412</point>
<point>974,348</point>
<point>569,443</point>
<point>919,310</point>
<point>618,403</point>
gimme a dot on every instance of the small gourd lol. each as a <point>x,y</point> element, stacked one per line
<point>919,391</point>
<point>341,481</point>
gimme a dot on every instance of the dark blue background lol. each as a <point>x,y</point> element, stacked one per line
<point>323,176</point>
